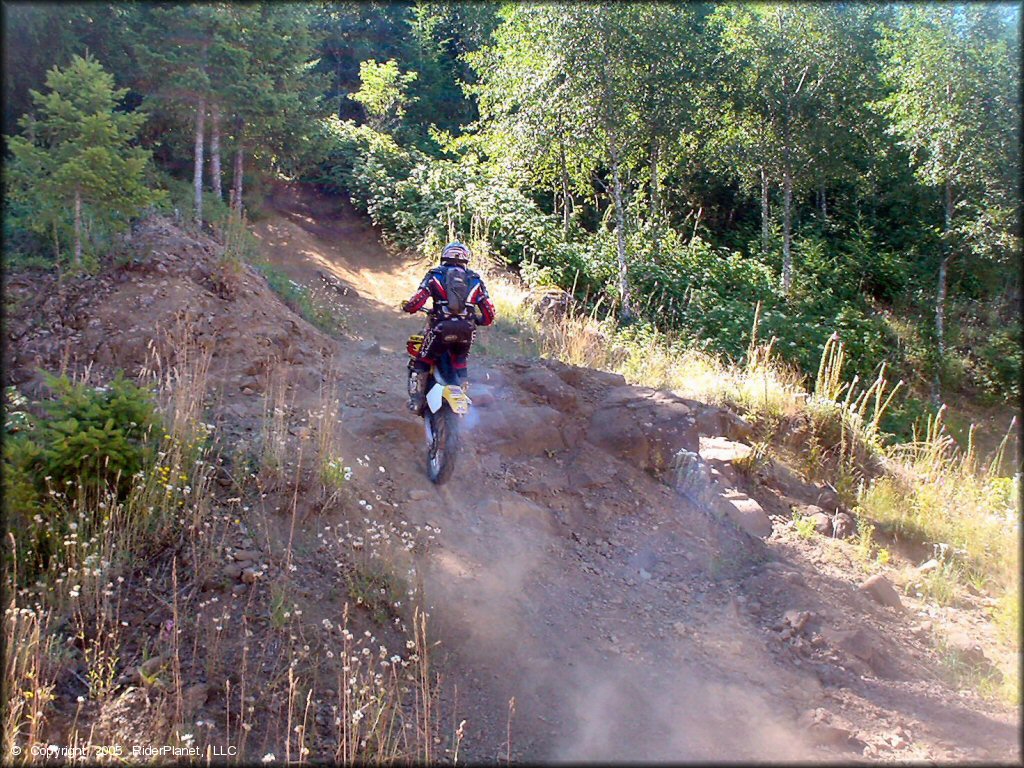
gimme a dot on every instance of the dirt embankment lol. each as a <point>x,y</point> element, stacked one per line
<point>626,619</point>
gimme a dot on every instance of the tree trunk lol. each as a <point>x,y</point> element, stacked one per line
<point>787,205</point>
<point>655,152</point>
<point>236,180</point>
<point>78,228</point>
<point>765,233</point>
<point>197,176</point>
<point>215,152</point>
<point>940,294</point>
<point>620,226</point>
<point>565,186</point>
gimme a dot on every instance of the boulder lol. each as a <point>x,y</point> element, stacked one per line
<point>571,374</point>
<point>692,476</point>
<point>719,453</point>
<point>715,422</point>
<point>822,522</point>
<point>746,513</point>
<point>523,430</point>
<point>644,427</point>
<point>549,387</point>
<point>843,525</point>
<point>881,591</point>
<point>863,645</point>
<point>827,729</point>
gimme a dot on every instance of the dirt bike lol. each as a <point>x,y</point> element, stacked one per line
<point>445,403</point>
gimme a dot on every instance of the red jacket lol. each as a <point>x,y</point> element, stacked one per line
<point>432,287</point>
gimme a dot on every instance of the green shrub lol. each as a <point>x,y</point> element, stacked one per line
<point>97,437</point>
<point>999,364</point>
<point>86,443</point>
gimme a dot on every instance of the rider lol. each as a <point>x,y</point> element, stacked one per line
<point>455,291</point>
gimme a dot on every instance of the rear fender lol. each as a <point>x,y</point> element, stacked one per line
<point>457,400</point>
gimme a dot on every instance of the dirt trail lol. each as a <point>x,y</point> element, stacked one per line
<point>625,622</point>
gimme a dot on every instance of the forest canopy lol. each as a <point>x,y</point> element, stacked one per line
<point>852,168</point>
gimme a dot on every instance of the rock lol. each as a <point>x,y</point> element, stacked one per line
<point>713,422</point>
<point>822,523</point>
<point>830,730</point>
<point>481,396</point>
<point>239,589</point>
<point>644,575</point>
<point>929,565</point>
<point>843,525</point>
<point>213,584</point>
<point>968,650</point>
<point>548,386</point>
<point>745,512</point>
<point>193,697</point>
<point>250,575</point>
<point>796,619</point>
<point>692,477</point>
<point>371,347</point>
<point>863,645</point>
<point>418,494</point>
<point>720,454</point>
<point>882,591</point>
<point>643,426</point>
<point>246,555</point>
<point>521,429</point>
<point>233,570</point>
<point>150,667</point>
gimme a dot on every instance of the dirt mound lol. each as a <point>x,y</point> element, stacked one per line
<point>177,289</point>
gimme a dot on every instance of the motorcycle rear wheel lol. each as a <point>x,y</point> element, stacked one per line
<point>442,444</point>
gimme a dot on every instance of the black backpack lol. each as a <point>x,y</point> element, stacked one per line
<point>456,284</point>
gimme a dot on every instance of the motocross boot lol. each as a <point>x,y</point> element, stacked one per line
<point>417,389</point>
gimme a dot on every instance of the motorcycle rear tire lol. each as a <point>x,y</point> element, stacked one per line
<point>443,445</point>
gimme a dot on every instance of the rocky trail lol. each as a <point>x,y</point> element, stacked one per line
<point>592,597</point>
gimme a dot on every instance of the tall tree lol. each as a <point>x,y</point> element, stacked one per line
<point>955,105</point>
<point>780,62</point>
<point>173,51</point>
<point>383,93</point>
<point>79,152</point>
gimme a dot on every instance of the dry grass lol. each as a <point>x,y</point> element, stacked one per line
<point>928,490</point>
<point>935,492</point>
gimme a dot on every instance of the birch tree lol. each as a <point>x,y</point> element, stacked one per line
<point>954,74</point>
<point>780,62</point>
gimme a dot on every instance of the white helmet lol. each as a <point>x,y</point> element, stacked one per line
<point>456,252</point>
